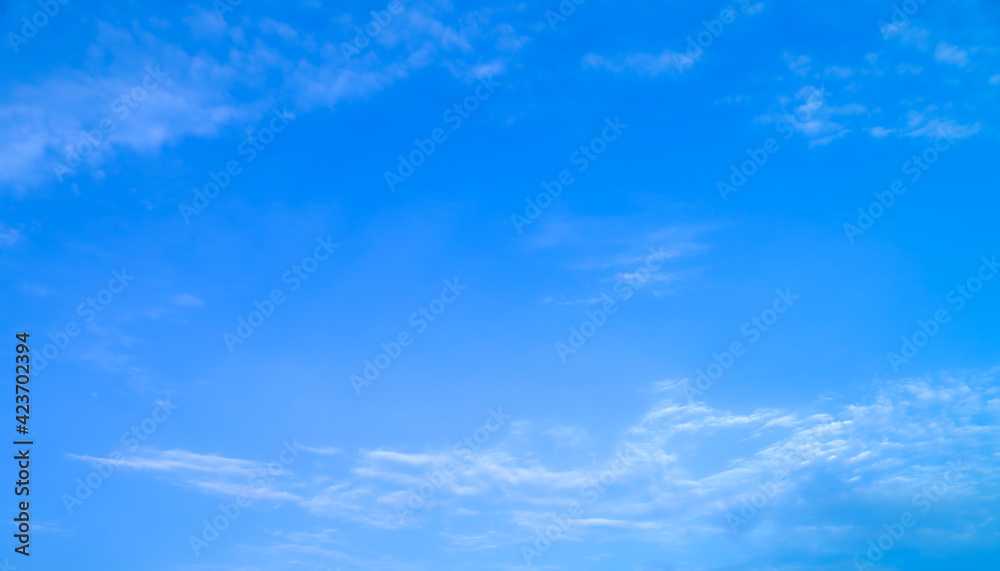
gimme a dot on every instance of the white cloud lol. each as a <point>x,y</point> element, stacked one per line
<point>648,65</point>
<point>568,436</point>
<point>203,23</point>
<point>324,450</point>
<point>828,139</point>
<point>909,34</point>
<point>689,465</point>
<point>813,115</point>
<point>178,460</point>
<point>188,300</point>
<point>281,29</point>
<point>930,123</point>
<point>952,55</point>
<point>39,120</point>
<point>8,236</point>
<point>799,65</point>
<point>839,72</point>
<point>880,132</point>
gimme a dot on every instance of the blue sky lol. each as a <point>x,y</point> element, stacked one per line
<point>650,286</point>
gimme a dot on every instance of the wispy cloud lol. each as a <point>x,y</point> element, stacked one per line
<point>880,451</point>
<point>179,461</point>
<point>8,236</point>
<point>48,121</point>
<point>188,300</point>
<point>644,64</point>
<point>951,55</point>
